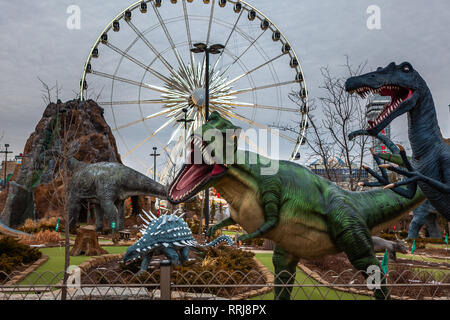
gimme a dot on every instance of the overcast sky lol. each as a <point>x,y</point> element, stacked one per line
<point>35,41</point>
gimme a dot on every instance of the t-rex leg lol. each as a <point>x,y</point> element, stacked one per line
<point>285,266</point>
<point>224,223</point>
<point>350,234</point>
<point>172,255</point>
<point>270,194</point>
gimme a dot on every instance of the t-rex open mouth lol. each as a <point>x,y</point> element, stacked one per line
<point>193,177</point>
<point>398,95</point>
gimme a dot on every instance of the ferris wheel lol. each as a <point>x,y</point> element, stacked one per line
<point>142,70</point>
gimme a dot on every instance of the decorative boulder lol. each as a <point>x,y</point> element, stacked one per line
<point>86,243</point>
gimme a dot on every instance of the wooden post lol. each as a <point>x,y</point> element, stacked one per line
<point>164,284</point>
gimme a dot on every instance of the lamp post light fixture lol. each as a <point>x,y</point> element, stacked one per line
<point>213,49</point>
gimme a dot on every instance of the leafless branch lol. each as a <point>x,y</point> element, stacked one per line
<point>341,114</point>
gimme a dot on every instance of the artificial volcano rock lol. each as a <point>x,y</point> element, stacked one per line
<point>36,188</point>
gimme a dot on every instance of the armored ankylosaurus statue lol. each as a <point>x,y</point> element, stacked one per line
<point>168,234</point>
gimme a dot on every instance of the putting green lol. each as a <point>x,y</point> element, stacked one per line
<point>306,293</point>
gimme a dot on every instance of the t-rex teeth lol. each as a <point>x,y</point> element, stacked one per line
<point>165,244</point>
<point>177,244</point>
<point>181,216</point>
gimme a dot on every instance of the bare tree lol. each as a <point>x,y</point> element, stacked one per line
<point>47,92</point>
<point>64,147</point>
<point>341,114</point>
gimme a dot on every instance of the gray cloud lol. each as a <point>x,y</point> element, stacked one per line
<point>35,42</point>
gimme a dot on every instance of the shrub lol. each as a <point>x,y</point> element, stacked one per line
<point>255,242</point>
<point>15,253</point>
<point>42,237</point>
<point>29,226</point>
<point>427,240</point>
<point>403,234</point>
<point>48,224</point>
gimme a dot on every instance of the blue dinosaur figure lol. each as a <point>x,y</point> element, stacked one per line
<point>168,234</point>
<point>426,215</point>
<point>430,164</point>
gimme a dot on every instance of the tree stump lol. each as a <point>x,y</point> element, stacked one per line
<point>86,243</point>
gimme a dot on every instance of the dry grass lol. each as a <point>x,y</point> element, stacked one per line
<point>46,237</point>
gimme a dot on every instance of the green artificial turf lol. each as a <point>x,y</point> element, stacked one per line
<point>306,293</point>
<point>52,271</point>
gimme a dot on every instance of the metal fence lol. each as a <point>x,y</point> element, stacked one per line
<point>166,282</point>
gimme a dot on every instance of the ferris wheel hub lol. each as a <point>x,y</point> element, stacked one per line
<point>198,97</point>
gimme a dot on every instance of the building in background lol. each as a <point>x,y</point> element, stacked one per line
<point>338,170</point>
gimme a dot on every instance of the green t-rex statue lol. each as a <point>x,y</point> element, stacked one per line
<point>304,214</point>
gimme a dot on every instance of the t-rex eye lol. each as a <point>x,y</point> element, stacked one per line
<point>406,68</point>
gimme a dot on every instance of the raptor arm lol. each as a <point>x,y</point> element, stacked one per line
<point>417,176</point>
<point>411,184</point>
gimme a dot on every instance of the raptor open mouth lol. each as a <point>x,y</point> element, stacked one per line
<point>398,95</point>
<point>194,176</point>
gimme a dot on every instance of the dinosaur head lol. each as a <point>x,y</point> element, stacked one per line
<point>401,82</point>
<point>131,254</point>
<point>212,148</point>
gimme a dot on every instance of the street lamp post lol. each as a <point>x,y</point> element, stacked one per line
<point>213,49</point>
<point>6,162</point>
<point>154,155</point>
<point>185,121</point>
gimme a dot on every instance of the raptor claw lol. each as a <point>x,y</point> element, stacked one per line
<point>385,165</point>
<point>361,184</point>
<point>389,186</point>
<point>401,147</point>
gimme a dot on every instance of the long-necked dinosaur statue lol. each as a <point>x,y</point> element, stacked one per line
<point>304,214</point>
<point>430,164</point>
<point>107,184</point>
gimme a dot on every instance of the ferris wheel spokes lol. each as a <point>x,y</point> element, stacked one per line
<point>243,76</point>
